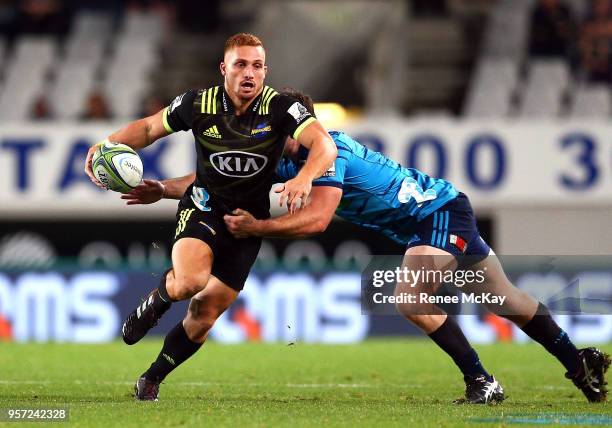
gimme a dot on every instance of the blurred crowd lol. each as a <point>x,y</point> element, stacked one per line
<point>19,17</point>
<point>96,107</point>
<point>582,37</point>
<point>55,18</point>
<point>584,42</point>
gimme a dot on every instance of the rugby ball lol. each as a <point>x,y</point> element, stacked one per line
<point>117,166</point>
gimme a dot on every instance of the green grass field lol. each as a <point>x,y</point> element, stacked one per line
<point>377,383</point>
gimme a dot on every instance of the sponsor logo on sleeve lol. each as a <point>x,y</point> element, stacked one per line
<point>175,103</point>
<point>298,111</point>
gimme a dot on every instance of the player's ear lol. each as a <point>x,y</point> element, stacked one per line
<point>222,68</point>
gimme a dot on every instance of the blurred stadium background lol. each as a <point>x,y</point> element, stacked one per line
<point>508,99</point>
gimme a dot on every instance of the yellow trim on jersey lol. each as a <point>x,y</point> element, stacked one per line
<point>209,100</point>
<point>165,121</point>
<point>183,219</point>
<point>202,110</point>
<point>263,96</point>
<point>299,129</point>
<point>214,106</point>
<point>266,95</point>
<point>266,102</point>
<point>209,97</point>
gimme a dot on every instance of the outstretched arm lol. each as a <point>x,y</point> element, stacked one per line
<point>312,219</point>
<point>138,135</point>
<point>151,191</point>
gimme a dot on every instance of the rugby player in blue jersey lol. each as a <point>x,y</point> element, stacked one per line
<point>431,218</point>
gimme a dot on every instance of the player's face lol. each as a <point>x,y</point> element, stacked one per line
<point>244,70</point>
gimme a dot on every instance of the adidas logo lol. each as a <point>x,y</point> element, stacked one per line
<point>140,310</point>
<point>212,132</point>
<point>169,358</point>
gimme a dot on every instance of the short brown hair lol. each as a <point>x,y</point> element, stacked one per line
<point>242,39</point>
<point>303,98</point>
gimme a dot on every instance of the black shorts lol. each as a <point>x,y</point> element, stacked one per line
<point>232,257</point>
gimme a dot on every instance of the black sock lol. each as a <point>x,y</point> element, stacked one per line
<point>451,339</point>
<point>176,350</point>
<point>544,330</point>
<point>163,293</point>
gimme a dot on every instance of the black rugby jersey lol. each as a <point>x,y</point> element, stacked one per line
<point>236,155</point>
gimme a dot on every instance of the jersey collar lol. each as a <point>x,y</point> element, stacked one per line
<point>228,106</point>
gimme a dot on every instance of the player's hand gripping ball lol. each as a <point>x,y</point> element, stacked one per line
<point>117,166</point>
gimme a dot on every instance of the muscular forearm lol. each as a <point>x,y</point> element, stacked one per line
<point>175,187</point>
<point>320,158</point>
<point>302,223</point>
<point>137,135</point>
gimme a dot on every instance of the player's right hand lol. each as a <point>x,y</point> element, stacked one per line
<point>147,192</point>
<point>89,168</point>
<point>294,193</point>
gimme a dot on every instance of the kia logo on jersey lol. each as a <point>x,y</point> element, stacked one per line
<point>237,163</point>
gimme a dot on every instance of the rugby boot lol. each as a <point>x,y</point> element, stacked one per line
<point>591,375</point>
<point>144,318</point>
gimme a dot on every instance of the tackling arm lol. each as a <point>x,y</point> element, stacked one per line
<point>312,219</point>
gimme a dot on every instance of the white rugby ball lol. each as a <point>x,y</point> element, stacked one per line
<point>117,166</point>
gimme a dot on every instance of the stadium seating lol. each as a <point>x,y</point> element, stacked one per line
<point>25,75</point>
<point>492,90</point>
<point>72,84</point>
<point>2,52</point>
<point>591,101</point>
<point>503,83</point>
<point>545,88</point>
<point>88,58</point>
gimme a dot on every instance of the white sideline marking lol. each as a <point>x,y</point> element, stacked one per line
<point>250,384</point>
<point>257,384</point>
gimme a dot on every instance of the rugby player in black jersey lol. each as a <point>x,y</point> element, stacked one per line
<point>240,130</point>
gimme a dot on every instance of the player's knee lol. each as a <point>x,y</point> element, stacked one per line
<point>187,285</point>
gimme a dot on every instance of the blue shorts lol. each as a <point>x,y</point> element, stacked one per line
<point>451,228</point>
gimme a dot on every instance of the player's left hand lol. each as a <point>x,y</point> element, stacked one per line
<point>295,193</point>
<point>147,192</point>
<point>241,223</point>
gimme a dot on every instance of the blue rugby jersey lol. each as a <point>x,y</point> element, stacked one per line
<point>377,193</point>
